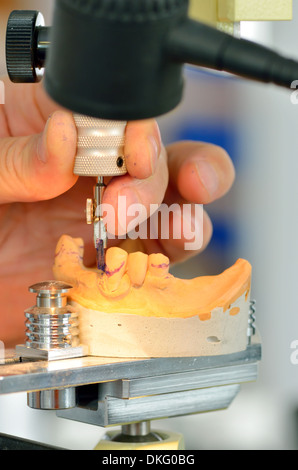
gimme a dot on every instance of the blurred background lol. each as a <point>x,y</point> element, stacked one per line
<point>257,220</point>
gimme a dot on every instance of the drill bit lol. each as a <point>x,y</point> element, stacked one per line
<point>100,151</point>
<point>100,255</point>
<point>100,233</point>
<point>100,242</point>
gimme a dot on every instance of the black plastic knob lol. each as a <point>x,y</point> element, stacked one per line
<point>108,58</point>
<point>23,56</point>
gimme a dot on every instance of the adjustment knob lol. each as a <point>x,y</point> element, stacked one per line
<point>100,149</point>
<point>23,58</point>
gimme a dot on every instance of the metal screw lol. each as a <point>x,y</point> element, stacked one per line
<point>120,162</point>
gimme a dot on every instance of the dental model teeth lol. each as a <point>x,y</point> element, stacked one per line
<point>136,308</point>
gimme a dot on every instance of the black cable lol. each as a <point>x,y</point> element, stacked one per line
<point>198,44</point>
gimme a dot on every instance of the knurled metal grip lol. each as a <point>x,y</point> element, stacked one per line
<point>100,147</point>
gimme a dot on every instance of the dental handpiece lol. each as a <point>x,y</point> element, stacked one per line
<point>100,153</point>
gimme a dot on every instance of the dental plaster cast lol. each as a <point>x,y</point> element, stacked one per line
<point>135,308</point>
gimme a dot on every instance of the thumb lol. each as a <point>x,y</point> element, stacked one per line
<point>39,167</point>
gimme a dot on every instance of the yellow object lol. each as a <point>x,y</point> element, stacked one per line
<point>207,12</point>
<point>170,441</point>
<point>220,12</point>
<point>254,10</point>
<point>120,317</point>
<point>204,10</point>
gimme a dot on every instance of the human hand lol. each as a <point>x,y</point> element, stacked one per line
<point>41,199</point>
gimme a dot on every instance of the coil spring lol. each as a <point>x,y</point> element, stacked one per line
<point>251,320</point>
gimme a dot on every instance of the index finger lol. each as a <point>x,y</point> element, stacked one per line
<point>142,148</point>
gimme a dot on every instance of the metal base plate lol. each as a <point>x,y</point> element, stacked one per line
<point>50,354</point>
<point>29,375</point>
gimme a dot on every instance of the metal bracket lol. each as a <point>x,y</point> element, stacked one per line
<point>111,391</point>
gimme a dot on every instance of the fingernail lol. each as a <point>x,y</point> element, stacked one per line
<point>208,176</point>
<point>42,144</point>
<point>153,149</point>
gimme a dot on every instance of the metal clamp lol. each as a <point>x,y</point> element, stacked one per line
<point>52,325</point>
<point>52,333</point>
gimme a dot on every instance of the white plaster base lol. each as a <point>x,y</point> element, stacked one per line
<point>132,336</point>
